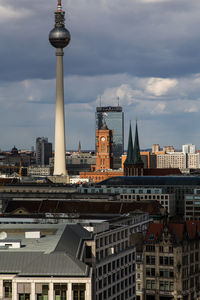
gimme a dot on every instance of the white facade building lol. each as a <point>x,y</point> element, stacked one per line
<point>178,160</point>
<point>189,148</point>
<point>171,160</point>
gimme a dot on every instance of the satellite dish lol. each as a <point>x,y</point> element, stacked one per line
<point>3,235</point>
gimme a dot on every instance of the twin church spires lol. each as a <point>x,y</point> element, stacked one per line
<point>133,165</point>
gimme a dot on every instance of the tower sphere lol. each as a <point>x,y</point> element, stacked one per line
<point>59,37</point>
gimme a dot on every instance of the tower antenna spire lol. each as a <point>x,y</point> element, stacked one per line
<point>100,101</point>
<point>59,6</point>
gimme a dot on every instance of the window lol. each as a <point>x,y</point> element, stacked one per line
<point>150,284</point>
<point>78,291</point>
<point>150,260</point>
<point>42,291</point>
<point>164,285</point>
<point>24,290</point>
<point>150,248</point>
<point>166,273</point>
<point>7,284</point>
<point>171,286</point>
<point>165,260</point>
<point>150,272</point>
<point>24,296</point>
<point>60,291</point>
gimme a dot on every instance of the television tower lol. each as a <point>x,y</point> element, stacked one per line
<point>59,37</point>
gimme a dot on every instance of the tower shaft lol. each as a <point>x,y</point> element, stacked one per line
<point>59,156</point>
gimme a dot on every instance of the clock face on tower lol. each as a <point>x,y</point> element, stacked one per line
<point>103,139</point>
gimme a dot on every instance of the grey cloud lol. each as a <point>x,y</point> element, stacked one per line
<point>113,46</point>
<point>142,39</point>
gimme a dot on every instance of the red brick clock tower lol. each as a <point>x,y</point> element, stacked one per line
<point>104,148</point>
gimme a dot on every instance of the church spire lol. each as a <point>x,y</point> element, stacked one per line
<point>133,165</point>
<point>136,149</point>
<point>130,156</point>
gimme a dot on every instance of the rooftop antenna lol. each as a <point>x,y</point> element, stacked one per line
<point>59,6</point>
<point>100,101</point>
<point>118,101</point>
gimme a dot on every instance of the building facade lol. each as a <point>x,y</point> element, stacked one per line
<point>179,160</point>
<point>171,262</point>
<point>192,206</point>
<point>43,151</point>
<point>94,261</point>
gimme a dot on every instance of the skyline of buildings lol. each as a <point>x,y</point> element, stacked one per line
<point>133,236</point>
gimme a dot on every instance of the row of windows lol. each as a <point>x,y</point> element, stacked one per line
<point>151,248</point>
<point>111,250</point>
<point>166,273</point>
<point>163,260</point>
<point>111,238</point>
<point>193,257</point>
<point>42,290</point>
<point>103,283</point>
<point>163,285</point>
<point>123,296</point>
<point>102,271</point>
<point>191,283</point>
<point>145,197</point>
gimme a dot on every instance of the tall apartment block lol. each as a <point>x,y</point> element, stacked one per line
<point>43,151</point>
<point>114,117</point>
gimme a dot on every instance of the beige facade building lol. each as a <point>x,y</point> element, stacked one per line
<point>178,160</point>
<point>171,160</point>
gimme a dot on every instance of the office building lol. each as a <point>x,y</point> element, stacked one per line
<point>43,151</point>
<point>114,117</point>
<point>168,149</point>
<point>178,160</point>
<point>94,261</point>
<point>192,206</point>
<point>189,148</point>
<point>38,171</point>
<point>172,160</point>
<point>177,185</point>
<point>155,148</point>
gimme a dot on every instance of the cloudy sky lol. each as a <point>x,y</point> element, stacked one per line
<point>146,52</point>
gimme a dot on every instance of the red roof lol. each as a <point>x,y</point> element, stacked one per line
<point>154,231</point>
<point>192,228</point>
